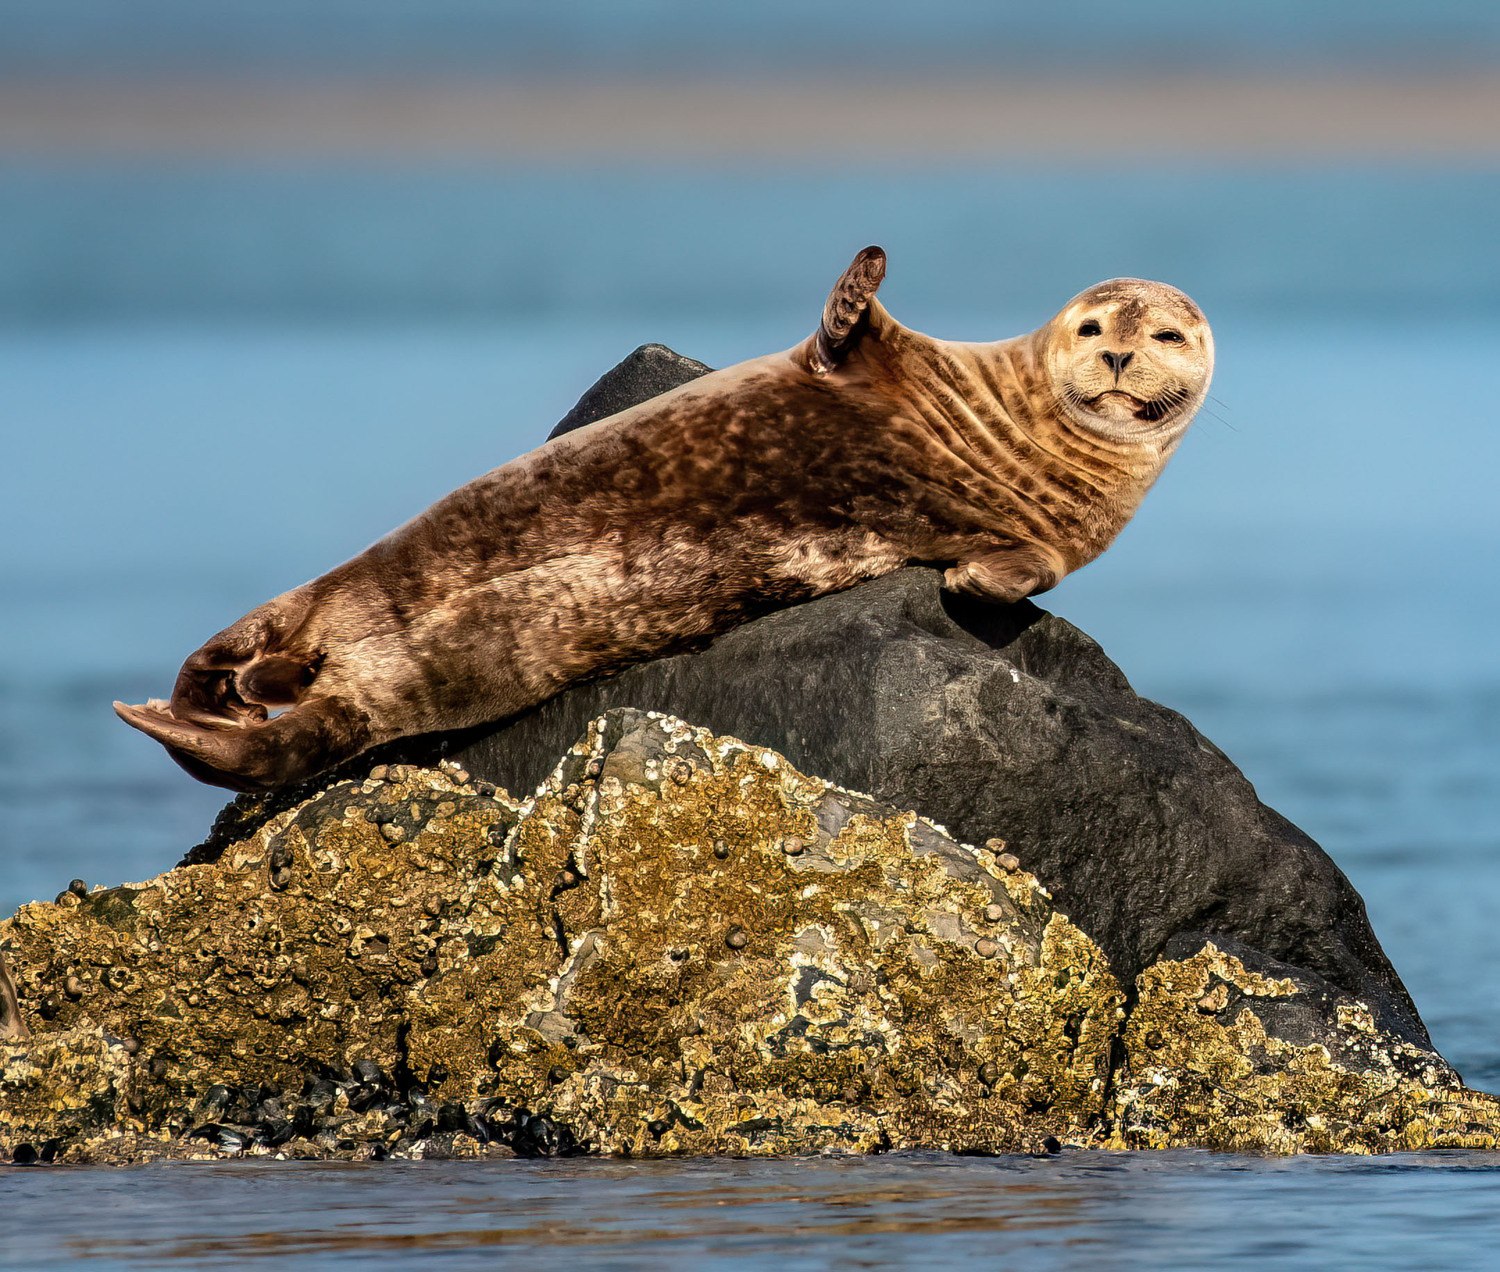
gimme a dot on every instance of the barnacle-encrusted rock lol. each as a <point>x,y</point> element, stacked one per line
<point>679,945</point>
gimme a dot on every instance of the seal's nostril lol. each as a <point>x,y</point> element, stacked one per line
<point>1117,362</point>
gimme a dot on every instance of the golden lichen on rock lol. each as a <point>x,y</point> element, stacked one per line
<point>680,944</point>
<point>1203,1069</point>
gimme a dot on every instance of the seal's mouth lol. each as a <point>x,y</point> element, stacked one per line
<point>1118,404</point>
<point>1163,405</point>
<point>1116,395</point>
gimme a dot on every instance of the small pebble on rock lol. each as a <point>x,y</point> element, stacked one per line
<point>78,888</point>
<point>989,1073</point>
<point>73,988</point>
<point>1215,1000</point>
<point>736,938</point>
<point>986,948</point>
<point>994,913</point>
<point>378,773</point>
<point>368,1072</point>
<point>721,849</point>
<point>792,845</point>
<point>1008,861</point>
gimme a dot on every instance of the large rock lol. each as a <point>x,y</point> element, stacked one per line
<point>1005,721</point>
<point>682,944</point>
<point>685,943</point>
<point>994,720</point>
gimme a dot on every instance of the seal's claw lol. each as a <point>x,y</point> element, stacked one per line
<point>258,756</point>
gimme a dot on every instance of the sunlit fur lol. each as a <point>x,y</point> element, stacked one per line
<point>864,448</point>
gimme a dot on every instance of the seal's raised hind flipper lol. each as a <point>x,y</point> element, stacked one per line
<point>845,312</point>
<point>311,737</point>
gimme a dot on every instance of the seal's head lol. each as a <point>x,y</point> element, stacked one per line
<point>1130,360</point>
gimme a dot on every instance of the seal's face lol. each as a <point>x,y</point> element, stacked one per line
<point>1130,359</point>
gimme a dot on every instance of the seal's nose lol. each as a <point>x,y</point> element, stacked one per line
<point>1117,362</point>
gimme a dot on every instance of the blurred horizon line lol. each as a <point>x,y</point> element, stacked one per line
<point>832,119</point>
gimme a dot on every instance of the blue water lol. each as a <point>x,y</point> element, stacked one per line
<point>682,37</point>
<point>1081,1210</point>
<point>215,384</point>
<point>973,247</point>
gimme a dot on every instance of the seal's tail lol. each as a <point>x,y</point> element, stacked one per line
<point>311,737</point>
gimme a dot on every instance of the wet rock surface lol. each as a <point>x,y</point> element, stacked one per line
<point>681,944</point>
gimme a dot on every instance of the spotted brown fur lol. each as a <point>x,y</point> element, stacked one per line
<point>790,476</point>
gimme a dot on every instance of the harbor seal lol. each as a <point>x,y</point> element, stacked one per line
<point>867,447</point>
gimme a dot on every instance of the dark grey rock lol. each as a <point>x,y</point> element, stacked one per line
<point>650,370</point>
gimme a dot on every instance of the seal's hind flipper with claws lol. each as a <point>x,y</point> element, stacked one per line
<point>312,736</point>
<point>846,310</point>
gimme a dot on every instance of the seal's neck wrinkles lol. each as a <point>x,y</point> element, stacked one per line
<point>997,397</point>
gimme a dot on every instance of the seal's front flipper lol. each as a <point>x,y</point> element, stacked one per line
<point>294,746</point>
<point>845,314</point>
<point>1009,575</point>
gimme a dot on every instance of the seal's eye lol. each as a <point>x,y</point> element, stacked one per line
<point>1090,328</point>
<point>1168,337</point>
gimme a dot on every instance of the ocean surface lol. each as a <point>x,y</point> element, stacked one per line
<point>678,35</point>
<point>216,384</point>
<point>907,1211</point>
